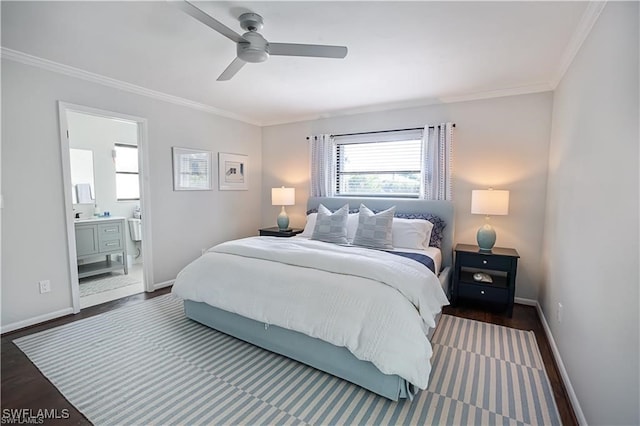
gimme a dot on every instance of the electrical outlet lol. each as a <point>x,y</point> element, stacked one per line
<point>45,286</point>
<point>559,312</point>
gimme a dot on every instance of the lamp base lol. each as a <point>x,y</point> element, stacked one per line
<point>283,220</point>
<point>486,237</point>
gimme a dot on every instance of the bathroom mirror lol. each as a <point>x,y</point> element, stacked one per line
<point>82,181</point>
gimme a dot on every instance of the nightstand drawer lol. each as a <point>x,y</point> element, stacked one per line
<point>481,261</point>
<point>483,292</point>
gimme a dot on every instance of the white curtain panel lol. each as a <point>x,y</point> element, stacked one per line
<point>323,154</point>
<point>437,147</point>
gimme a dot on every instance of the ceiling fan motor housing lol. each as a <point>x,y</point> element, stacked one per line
<point>256,49</point>
<point>251,21</point>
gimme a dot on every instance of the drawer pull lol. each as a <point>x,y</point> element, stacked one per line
<point>481,291</point>
<point>111,244</point>
<point>111,230</point>
<point>484,261</point>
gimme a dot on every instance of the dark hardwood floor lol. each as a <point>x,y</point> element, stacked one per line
<point>24,387</point>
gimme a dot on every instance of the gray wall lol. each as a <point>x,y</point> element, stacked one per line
<point>500,142</point>
<point>34,245</point>
<point>591,238</point>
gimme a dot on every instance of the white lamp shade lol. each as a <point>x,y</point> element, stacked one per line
<point>490,202</point>
<point>283,196</point>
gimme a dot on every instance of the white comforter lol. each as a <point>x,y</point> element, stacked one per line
<point>376,304</point>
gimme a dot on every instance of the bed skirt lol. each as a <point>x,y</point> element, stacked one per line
<point>316,353</point>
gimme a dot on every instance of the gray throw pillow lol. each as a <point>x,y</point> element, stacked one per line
<point>375,230</point>
<point>331,227</point>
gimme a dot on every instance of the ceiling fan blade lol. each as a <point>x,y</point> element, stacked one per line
<point>232,69</point>
<point>312,50</point>
<point>206,19</point>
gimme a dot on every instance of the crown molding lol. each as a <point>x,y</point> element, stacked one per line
<point>417,103</point>
<point>588,20</point>
<point>499,93</point>
<point>25,58</point>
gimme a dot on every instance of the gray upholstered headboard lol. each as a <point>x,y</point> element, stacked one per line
<point>443,209</point>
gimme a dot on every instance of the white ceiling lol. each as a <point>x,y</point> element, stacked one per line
<point>400,53</point>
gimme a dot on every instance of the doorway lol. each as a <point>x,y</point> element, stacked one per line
<point>103,158</point>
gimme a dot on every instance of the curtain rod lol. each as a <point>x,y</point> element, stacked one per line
<point>384,131</point>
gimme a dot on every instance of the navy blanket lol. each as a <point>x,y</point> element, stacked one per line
<point>420,258</point>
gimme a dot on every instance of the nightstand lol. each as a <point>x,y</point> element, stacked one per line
<point>274,231</point>
<point>500,264</point>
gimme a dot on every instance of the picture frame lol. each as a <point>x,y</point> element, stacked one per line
<point>191,169</point>
<point>232,172</point>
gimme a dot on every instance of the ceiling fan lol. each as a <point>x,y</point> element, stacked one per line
<point>251,46</point>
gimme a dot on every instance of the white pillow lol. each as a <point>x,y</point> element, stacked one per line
<point>411,233</point>
<point>352,226</point>
<point>308,228</point>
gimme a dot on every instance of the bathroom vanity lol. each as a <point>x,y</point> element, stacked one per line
<point>100,237</point>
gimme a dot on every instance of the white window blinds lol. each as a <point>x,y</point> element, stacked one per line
<point>379,164</point>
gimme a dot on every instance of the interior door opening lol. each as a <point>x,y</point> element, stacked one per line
<point>104,187</point>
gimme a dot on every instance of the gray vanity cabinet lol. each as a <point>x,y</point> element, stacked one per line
<point>100,237</point>
<point>86,240</point>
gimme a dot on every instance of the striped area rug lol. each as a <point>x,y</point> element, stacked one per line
<point>148,364</point>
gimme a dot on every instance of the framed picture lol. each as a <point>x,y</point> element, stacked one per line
<point>232,172</point>
<point>191,169</point>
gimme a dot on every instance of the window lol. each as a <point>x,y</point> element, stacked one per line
<point>127,175</point>
<point>379,164</point>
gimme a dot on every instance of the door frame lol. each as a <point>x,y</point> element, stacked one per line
<point>145,192</point>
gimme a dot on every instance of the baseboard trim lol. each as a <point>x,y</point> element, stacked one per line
<point>57,314</point>
<point>158,286</point>
<point>35,320</point>
<point>524,301</point>
<point>573,399</point>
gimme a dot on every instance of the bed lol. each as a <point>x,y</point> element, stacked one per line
<point>328,347</point>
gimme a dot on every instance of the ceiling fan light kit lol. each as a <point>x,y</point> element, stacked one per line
<point>254,50</point>
<point>251,46</point>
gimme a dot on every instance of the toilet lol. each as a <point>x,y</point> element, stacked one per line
<point>135,229</point>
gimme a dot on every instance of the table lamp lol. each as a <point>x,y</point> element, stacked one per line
<point>488,202</point>
<point>283,197</point>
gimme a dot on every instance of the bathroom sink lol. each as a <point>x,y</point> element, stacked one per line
<point>96,219</point>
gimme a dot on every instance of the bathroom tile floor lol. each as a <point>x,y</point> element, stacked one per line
<point>103,288</point>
